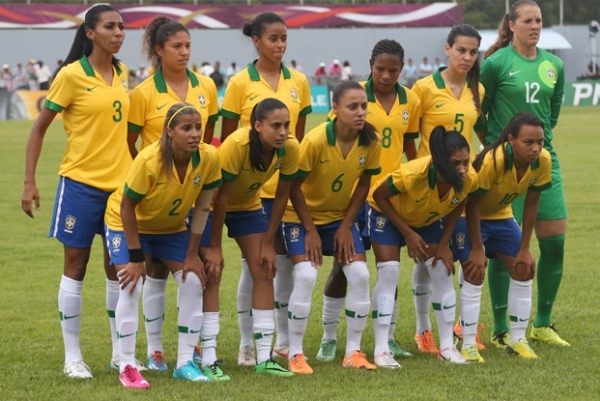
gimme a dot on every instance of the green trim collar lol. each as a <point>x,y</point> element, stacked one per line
<point>402,98</point>
<point>331,134</point>
<point>255,76</point>
<point>89,70</point>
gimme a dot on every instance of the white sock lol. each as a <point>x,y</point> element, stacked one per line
<point>305,278</point>
<point>127,320</point>
<point>244,305</point>
<point>264,326</point>
<point>519,308</point>
<point>283,284</point>
<point>190,315</point>
<point>69,308</point>
<point>357,304</point>
<point>470,304</point>
<point>154,297</point>
<point>392,329</point>
<point>383,303</point>
<point>209,333</point>
<point>332,310</point>
<point>112,297</point>
<point>443,298</point>
<point>421,284</point>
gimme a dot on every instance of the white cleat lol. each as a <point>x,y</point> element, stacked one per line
<point>451,355</point>
<point>246,356</point>
<point>386,360</point>
<point>78,370</point>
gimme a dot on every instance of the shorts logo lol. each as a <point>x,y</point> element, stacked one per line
<point>361,160</point>
<point>294,94</point>
<point>294,233</point>
<point>278,166</point>
<point>196,179</point>
<point>202,99</point>
<point>460,240</point>
<point>116,242</point>
<point>405,115</point>
<point>455,201</point>
<point>380,222</point>
<point>70,223</point>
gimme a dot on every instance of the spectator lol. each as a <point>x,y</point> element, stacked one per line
<point>141,74</point>
<point>6,78</point>
<point>43,76</point>
<point>335,69</point>
<point>296,66</point>
<point>20,77</point>
<point>195,68</point>
<point>232,70</point>
<point>218,75</point>
<point>320,74</point>
<point>438,64</point>
<point>409,73</point>
<point>425,68</point>
<point>32,68</point>
<point>347,71</point>
<point>206,69</point>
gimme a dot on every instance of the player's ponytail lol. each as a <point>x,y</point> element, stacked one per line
<point>368,132</point>
<point>512,128</point>
<point>158,31</point>
<point>260,112</point>
<point>442,145</point>
<point>172,118</point>
<point>505,35</point>
<point>82,45</point>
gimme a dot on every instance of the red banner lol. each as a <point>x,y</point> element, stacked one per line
<point>62,16</point>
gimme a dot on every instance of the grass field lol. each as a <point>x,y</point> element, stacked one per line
<point>31,352</point>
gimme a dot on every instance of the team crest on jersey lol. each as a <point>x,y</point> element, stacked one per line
<point>460,240</point>
<point>380,222</point>
<point>294,233</point>
<point>196,179</point>
<point>70,223</point>
<point>532,182</point>
<point>405,115</point>
<point>294,94</point>
<point>278,166</point>
<point>124,82</point>
<point>116,242</point>
<point>362,160</point>
<point>202,99</point>
<point>454,201</point>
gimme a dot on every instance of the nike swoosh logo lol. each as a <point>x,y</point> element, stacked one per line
<point>498,182</point>
<point>253,97</point>
<point>294,317</point>
<point>469,324</point>
<point>91,88</point>
<point>511,73</point>
<point>500,306</point>
<point>205,339</point>
<point>160,183</point>
<point>152,320</point>
<point>419,200</point>
<point>160,107</point>
<point>362,316</point>
<point>328,323</point>
<point>437,106</point>
<point>384,314</point>
<point>324,161</point>
<point>65,317</point>
<point>449,306</point>
<point>282,305</point>
<point>523,320</point>
<point>422,293</point>
<point>194,331</point>
<point>125,335</point>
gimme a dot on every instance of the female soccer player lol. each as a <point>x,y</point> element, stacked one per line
<point>266,77</point>
<point>407,209</point>
<point>337,161</point>
<point>91,92</point>
<point>451,98</point>
<point>519,76</point>
<point>513,165</point>
<point>394,112</point>
<point>166,44</point>
<point>249,158</point>
<point>145,219</point>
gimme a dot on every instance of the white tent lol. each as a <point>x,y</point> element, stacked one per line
<point>549,40</point>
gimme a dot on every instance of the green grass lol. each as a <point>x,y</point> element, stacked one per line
<point>31,352</point>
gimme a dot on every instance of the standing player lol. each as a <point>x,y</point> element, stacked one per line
<point>394,112</point>
<point>337,161</point>
<point>408,208</point>
<point>249,158</point>
<point>513,165</point>
<point>451,98</point>
<point>519,76</point>
<point>145,220</point>
<point>166,44</point>
<point>266,77</point>
<point>91,92</point>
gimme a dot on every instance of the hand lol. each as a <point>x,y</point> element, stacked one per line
<point>444,253</point>
<point>192,263</point>
<point>131,274</point>
<point>30,195</point>
<point>313,250</point>
<point>214,263</point>
<point>267,260</point>
<point>343,245</point>
<point>416,247</point>
<point>524,265</point>
<point>474,267</point>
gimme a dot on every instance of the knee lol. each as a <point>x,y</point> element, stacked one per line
<point>305,277</point>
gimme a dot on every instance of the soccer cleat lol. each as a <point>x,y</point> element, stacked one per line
<point>547,335</point>
<point>246,356</point>
<point>282,351</point>
<point>397,349</point>
<point>425,342</point>
<point>471,353</point>
<point>522,349</point>
<point>197,355</point>
<point>190,371</point>
<point>114,364</point>
<point>327,350</point>
<point>131,378</point>
<point>458,333</point>
<point>358,360</point>
<point>451,355</point>
<point>157,361</point>
<point>386,360</point>
<point>299,365</point>
<point>270,367</point>
<point>215,373</point>
<point>78,370</point>
<point>501,339</point>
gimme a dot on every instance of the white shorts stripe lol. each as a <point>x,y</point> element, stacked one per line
<point>61,183</point>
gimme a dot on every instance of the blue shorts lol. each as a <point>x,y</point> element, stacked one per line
<point>384,232</point>
<point>361,220</point>
<point>295,233</point>
<point>238,224</point>
<point>498,236</point>
<point>78,213</point>
<point>159,246</point>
